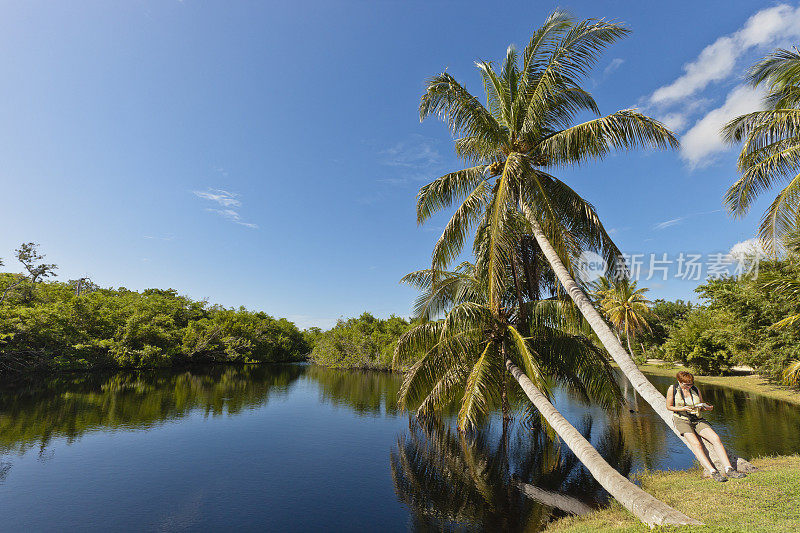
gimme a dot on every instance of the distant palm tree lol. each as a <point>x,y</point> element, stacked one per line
<point>771,147</point>
<point>624,305</point>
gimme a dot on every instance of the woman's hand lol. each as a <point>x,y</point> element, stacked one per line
<point>709,407</point>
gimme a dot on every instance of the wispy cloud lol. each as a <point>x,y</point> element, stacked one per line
<point>675,221</point>
<point>223,198</point>
<point>416,152</point>
<point>668,223</point>
<point>164,237</point>
<point>227,200</point>
<point>680,101</point>
<point>613,66</point>
<point>413,160</point>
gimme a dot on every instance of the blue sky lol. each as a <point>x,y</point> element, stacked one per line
<point>267,154</point>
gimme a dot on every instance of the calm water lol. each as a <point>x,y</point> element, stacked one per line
<point>296,448</point>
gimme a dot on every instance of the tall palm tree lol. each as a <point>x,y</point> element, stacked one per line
<point>467,353</point>
<point>527,128</point>
<point>770,152</point>
<point>625,306</point>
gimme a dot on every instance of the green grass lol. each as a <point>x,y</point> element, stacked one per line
<point>768,500</point>
<point>752,383</point>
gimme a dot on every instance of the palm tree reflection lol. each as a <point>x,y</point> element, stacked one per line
<point>516,482</point>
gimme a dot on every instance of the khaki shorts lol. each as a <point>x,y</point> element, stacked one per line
<point>684,425</point>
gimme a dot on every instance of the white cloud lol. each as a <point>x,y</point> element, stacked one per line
<point>747,249</point>
<point>675,121</point>
<point>416,152</point>
<point>613,66</point>
<point>674,221</point>
<point>668,223</point>
<point>223,198</point>
<point>227,200</point>
<point>703,140</point>
<point>717,60</point>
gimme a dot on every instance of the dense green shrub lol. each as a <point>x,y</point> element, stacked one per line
<point>663,316</point>
<point>46,326</point>
<point>702,341</point>
<point>363,342</point>
<point>735,325</point>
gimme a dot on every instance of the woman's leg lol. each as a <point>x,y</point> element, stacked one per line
<point>711,436</point>
<point>699,452</point>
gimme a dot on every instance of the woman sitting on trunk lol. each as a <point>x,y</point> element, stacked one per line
<point>685,401</point>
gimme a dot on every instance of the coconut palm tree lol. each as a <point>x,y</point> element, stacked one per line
<point>467,352</point>
<point>625,306</point>
<point>526,128</point>
<point>770,152</point>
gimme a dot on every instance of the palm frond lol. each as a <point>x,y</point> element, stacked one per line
<point>442,192</point>
<point>594,139</point>
<point>479,392</point>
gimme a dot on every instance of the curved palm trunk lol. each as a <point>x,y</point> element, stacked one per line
<point>612,344</point>
<point>645,507</point>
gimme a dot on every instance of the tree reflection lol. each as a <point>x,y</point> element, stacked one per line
<point>516,483</point>
<point>365,392</point>
<point>69,406</point>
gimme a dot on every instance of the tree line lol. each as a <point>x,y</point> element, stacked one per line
<point>76,325</point>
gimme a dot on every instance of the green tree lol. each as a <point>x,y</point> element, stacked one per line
<point>702,341</point>
<point>364,342</point>
<point>770,151</point>
<point>527,127</point>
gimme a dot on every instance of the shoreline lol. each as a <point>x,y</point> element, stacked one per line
<point>752,383</point>
<point>763,501</point>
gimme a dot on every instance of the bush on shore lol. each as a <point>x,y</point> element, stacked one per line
<point>364,342</point>
<point>46,326</point>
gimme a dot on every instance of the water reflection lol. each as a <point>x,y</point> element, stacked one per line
<point>367,393</point>
<point>495,482</point>
<point>68,406</point>
<point>253,442</point>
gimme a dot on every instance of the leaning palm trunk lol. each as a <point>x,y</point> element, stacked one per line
<point>644,506</point>
<point>612,344</point>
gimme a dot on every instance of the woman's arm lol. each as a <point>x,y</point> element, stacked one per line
<point>710,407</point>
<point>671,403</point>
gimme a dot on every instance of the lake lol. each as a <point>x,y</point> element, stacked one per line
<point>299,448</point>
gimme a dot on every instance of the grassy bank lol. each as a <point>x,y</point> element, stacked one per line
<point>763,501</point>
<point>748,383</point>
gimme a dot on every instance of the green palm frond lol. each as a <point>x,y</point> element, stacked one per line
<point>779,69</point>
<point>442,192</point>
<point>770,147</point>
<point>480,392</point>
<point>464,114</point>
<point>781,216</point>
<point>791,376</point>
<point>596,138</point>
<point>469,213</point>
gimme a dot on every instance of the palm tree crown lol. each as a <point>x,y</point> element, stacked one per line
<point>526,126</point>
<point>625,305</point>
